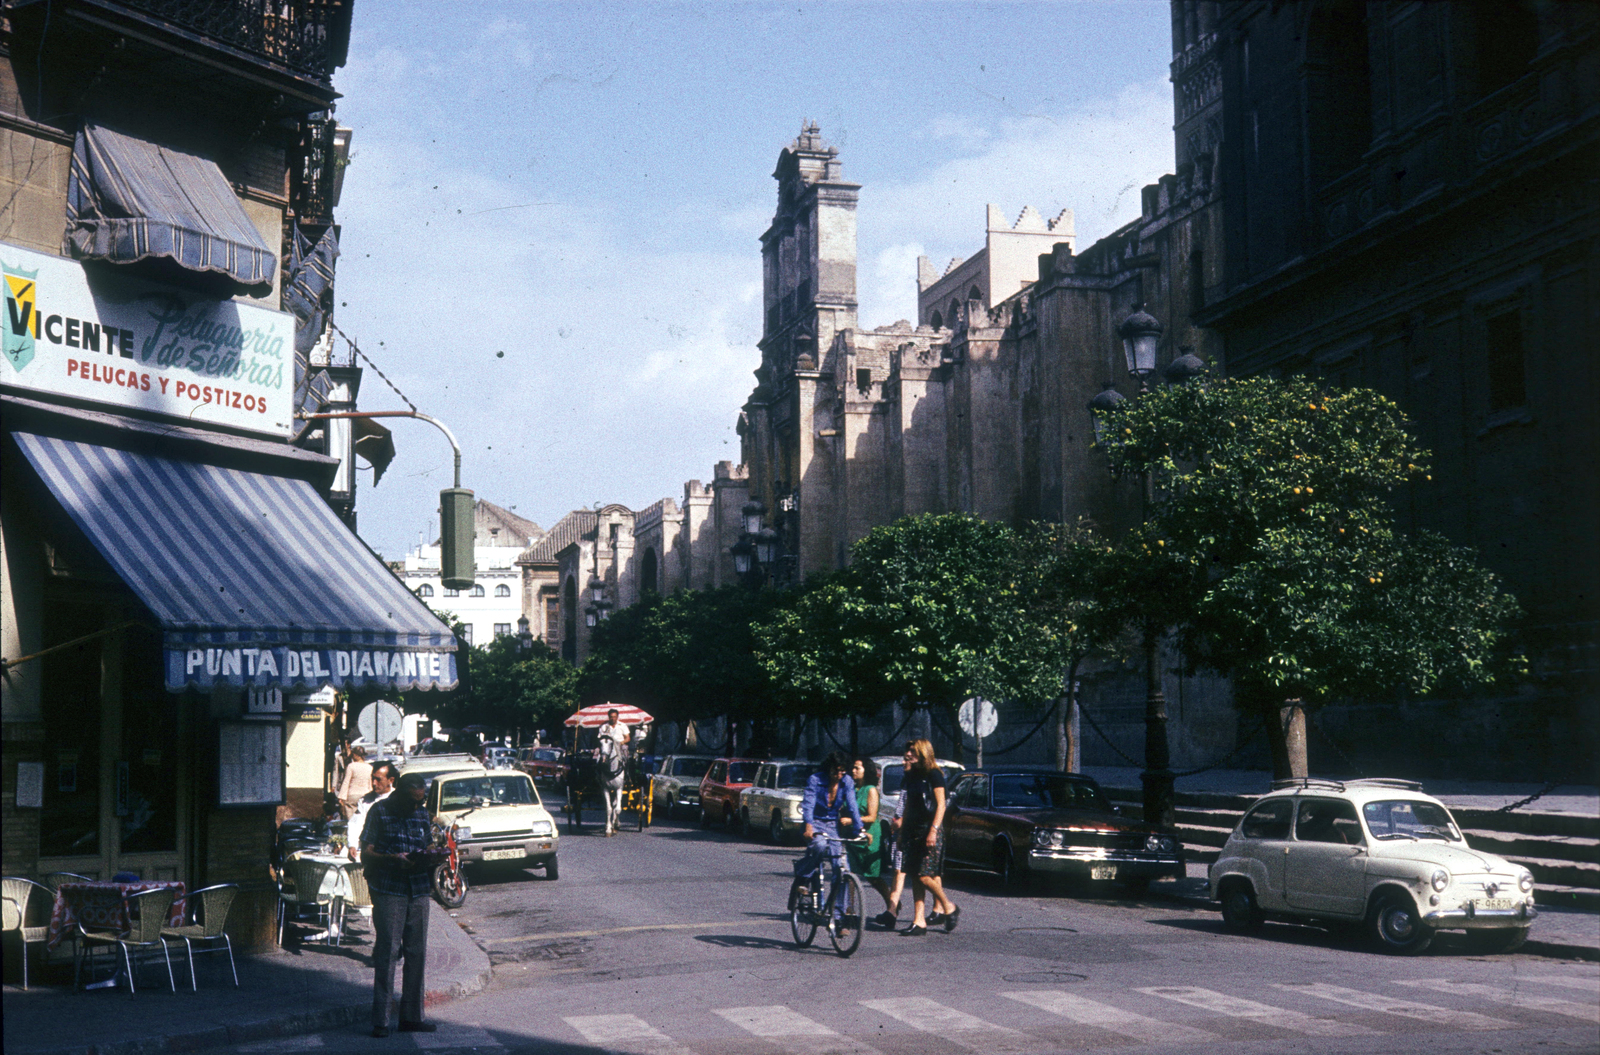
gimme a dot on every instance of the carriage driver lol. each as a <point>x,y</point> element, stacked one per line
<point>614,730</point>
<point>829,804</point>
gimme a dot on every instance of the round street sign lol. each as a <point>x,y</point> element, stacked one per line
<point>978,717</point>
<point>379,722</point>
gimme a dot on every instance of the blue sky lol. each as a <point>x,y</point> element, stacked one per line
<point>552,213</point>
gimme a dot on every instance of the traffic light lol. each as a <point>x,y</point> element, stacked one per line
<point>456,531</point>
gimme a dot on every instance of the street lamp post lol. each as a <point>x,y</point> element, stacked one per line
<point>1141,335</point>
<point>755,555</point>
<point>524,636</point>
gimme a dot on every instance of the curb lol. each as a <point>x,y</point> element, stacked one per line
<point>288,1025</point>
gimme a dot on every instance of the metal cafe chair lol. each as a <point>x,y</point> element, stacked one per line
<point>16,892</point>
<point>147,912</point>
<point>208,915</point>
<point>303,892</point>
<point>360,895</point>
<point>53,880</point>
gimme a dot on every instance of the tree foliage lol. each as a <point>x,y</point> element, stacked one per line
<point>500,685</point>
<point>1270,524</point>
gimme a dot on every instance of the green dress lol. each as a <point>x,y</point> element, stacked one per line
<point>866,860</point>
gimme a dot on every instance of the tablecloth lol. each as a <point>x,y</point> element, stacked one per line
<point>103,906</point>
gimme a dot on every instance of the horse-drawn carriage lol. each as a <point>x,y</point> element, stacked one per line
<point>603,771</point>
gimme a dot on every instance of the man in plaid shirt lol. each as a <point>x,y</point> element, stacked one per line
<point>394,847</point>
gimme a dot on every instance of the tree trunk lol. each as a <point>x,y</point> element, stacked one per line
<point>1286,733</point>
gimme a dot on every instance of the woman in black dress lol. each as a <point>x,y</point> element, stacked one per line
<point>922,838</point>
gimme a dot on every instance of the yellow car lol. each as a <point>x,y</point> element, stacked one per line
<point>501,818</point>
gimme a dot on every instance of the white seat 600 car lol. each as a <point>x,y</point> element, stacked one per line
<point>1377,852</point>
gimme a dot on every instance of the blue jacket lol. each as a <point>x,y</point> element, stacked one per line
<point>814,807</point>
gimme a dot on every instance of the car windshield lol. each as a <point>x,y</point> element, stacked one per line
<point>547,754</point>
<point>742,772</point>
<point>793,776</point>
<point>1045,790</point>
<point>494,791</point>
<point>1409,819</point>
<point>691,767</point>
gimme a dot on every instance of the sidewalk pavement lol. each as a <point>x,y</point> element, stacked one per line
<point>304,989</point>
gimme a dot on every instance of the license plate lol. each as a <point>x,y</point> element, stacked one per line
<point>504,855</point>
<point>1495,903</point>
<point>1102,871</point>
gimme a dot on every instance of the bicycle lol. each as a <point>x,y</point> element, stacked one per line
<point>842,912</point>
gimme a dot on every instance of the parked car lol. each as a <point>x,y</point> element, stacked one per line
<point>1026,823</point>
<point>546,765</point>
<point>677,782</point>
<point>892,775</point>
<point>1376,852</point>
<point>499,756</point>
<point>502,818</point>
<point>720,787</point>
<point>772,801</point>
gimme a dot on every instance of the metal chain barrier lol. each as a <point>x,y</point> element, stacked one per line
<point>826,728</point>
<point>1084,713</point>
<point>1541,793</point>
<point>1029,735</point>
<point>1246,742</point>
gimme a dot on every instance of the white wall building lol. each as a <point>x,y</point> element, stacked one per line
<point>493,605</point>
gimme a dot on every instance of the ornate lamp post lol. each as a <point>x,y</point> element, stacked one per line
<point>524,636</point>
<point>1141,335</point>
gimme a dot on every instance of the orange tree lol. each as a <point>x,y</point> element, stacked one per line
<point>1272,536</point>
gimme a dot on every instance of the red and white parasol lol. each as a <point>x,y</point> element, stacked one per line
<point>594,716</point>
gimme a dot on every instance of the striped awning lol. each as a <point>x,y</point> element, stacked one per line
<point>129,199</point>
<point>253,578</point>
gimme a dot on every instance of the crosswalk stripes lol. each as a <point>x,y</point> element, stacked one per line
<point>1430,1013</point>
<point>625,1033</point>
<point>1515,997</point>
<point>1238,1007</point>
<point>792,1031</point>
<point>958,1027</point>
<point>1103,1016</point>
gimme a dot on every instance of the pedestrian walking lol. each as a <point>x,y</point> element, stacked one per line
<point>357,781</point>
<point>395,851</point>
<point>868,861</point>
<point>922,844</point>
<point>341,762</point>
<point>893,857</point>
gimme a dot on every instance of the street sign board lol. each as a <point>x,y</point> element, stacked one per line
<point>978,717</point>
<point>379,722</point>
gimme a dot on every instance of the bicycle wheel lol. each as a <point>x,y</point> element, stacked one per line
<point>848,914</point>
<point>802,921</point>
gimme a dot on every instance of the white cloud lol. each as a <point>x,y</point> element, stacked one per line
<point>1092,160</point>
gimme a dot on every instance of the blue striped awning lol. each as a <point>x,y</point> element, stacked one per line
<point>253,578</point>
<point>129,199</point>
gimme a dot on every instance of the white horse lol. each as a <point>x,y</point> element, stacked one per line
<point>611,769</point>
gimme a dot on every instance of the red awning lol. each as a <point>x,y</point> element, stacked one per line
<point>594,716</point>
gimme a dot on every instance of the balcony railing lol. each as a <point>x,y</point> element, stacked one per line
<point>304,36</point>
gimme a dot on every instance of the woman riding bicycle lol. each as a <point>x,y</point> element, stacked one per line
<point>830,794</point>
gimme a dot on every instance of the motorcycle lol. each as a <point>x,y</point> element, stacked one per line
<point>449,881</point>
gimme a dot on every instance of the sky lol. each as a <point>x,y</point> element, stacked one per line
<point>552,214</point>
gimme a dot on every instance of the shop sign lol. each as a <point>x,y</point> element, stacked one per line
<point>282,667</point>
<point>111,339</point>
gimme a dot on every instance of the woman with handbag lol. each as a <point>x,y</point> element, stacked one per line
<point>922,839</point>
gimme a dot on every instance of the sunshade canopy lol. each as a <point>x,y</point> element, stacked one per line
<point>129,200</point>
<point>253,578</point>
<point>595,715</point>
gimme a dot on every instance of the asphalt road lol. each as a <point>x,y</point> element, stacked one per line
<point>674,941</point>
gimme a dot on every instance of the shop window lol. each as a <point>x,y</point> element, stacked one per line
<point>502,590</point>
<point>1508,386</point>
<point>477,591</point>
<point>502,630</point>
<point>69,824</point>
<point>424,590</point>
<point>145,786</point>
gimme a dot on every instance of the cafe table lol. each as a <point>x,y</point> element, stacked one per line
<point>104,906</point>
<point>335,886</point>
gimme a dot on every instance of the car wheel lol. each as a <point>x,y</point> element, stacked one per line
<point>1239,909</point>
<point>775,829</point>
<point>1488,942</point>
<point>744,825</point>
<point>705,817</point>
<point>1011,874</point>
<point>1398,927</point>
<point>729,818</point>
<point>552,871</point>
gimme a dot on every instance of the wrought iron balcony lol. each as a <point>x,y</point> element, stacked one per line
<point>308,37</point>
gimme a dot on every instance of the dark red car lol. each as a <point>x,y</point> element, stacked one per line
<point>546,765</point>
<point>720,787</point>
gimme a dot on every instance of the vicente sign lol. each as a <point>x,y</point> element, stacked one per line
<point>111,339</point>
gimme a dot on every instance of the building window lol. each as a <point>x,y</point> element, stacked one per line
<point>424,590</point>
<point>502,630</point>
<point>502,590</point>
<point>1508,386</point>
<point>552,619</point>
<point>466,633</point>
<point>451,591</point>
<point>477,591</point>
